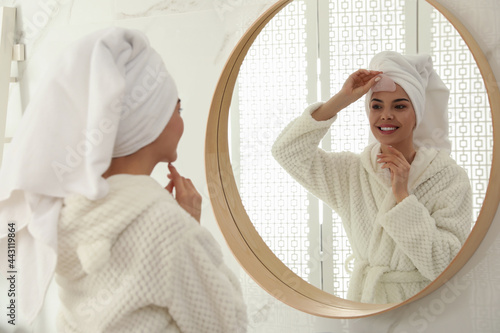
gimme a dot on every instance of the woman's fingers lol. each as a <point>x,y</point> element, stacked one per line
<point>173,170</point>
<point>395,164</point>
<point>394,156</point>
<point>186,194</point>
<point>170,186</point>
<point>366,72</point>
<point>389,158</point>
<point>361,81</point>
<point>178,181</point>
<point>395,161</point>
<point>366,75</point>
<point>400,170</point>
<point>356,85</point>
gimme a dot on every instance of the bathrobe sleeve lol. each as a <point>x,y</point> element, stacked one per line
<point>181,271</point>
<point>431,225</point>
<point>324,174</point>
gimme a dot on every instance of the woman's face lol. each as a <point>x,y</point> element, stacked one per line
<point>171,135</point>
<point>392,117</point>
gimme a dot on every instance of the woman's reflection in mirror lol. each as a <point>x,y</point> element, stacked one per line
<point>404,202</point>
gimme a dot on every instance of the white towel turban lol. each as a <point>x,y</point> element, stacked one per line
<point>428,94</point>
<point>108,96</point>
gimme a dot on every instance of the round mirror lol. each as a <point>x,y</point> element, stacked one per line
<point>282,235</point>
<point>290,65</point>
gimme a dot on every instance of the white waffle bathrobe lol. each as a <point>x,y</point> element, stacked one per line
<point>398,248</point>
<point>135,261</point>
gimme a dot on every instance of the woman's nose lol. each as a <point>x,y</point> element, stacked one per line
<point>387,114</point>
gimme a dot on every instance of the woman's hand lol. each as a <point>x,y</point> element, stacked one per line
<point>185,193</point>
<point>356,85</point>
<point>400,171</point>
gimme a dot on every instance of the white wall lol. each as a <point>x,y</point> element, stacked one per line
<point>195,38</point>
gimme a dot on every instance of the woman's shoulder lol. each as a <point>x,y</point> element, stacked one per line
<point>448,164</point>
<point>443,168</point>
<point>165,226</point>
<point>130,198</point>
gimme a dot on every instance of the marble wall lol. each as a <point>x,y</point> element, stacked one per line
<point>195,37</point>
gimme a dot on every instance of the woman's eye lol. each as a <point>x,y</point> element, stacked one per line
<point>400,107</point>
<point>376,106</point>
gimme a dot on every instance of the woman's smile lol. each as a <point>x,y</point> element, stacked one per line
<point>387,129</point>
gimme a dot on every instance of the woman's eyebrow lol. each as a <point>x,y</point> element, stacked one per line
<point>395,101</point>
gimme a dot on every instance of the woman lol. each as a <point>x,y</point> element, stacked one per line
<point>128,254</point>
<point>404,203</point>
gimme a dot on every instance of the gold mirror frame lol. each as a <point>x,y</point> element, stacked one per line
<point>245,242</point>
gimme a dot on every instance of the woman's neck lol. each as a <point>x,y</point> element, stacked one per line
<point>138,163</point>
